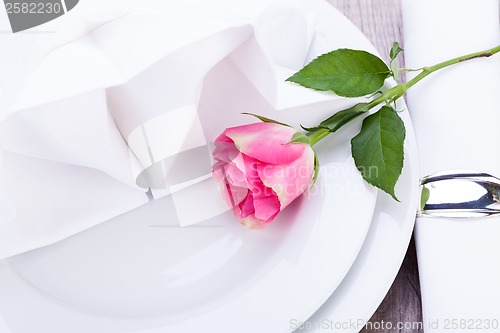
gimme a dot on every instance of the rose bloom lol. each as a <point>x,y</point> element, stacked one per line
<point>259,171</point>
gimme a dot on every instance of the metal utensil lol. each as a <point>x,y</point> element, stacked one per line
<point>460,193</point>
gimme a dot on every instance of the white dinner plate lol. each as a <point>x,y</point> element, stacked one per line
<point>141,272</point>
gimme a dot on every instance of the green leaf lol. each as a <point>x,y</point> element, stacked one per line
<point>316,169</point>
<point>265,119</point>
<point>341,118</point>
<point>424,197</point>
<point>300,137</point>
<point>349,73</point>
<point>310,129</point>
<point>378,149</point>
<point>395,50</point>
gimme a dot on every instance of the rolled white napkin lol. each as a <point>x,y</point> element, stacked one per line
<point>120,97</point>
<point>456,118</point>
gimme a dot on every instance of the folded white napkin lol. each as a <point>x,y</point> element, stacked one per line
<point>117,98</point>
<point>456,118</point>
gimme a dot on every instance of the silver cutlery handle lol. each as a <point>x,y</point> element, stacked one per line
<point>459,193</point>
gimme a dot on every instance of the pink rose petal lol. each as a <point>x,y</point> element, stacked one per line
<point>246,206</point>
<point>266,207</point>
<point>266,142</point>
<point>290,180</point>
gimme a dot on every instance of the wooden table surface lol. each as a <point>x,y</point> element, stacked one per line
<point>381,22</point>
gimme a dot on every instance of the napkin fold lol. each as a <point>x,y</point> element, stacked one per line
<point>456,121</point>
<point>116,103</point>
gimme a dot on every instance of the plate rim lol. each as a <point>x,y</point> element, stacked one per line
<point>351,291</point>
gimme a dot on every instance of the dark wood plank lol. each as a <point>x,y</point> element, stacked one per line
<point>380,21</point>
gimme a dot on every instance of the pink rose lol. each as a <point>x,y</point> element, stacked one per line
<point>260,171</point>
